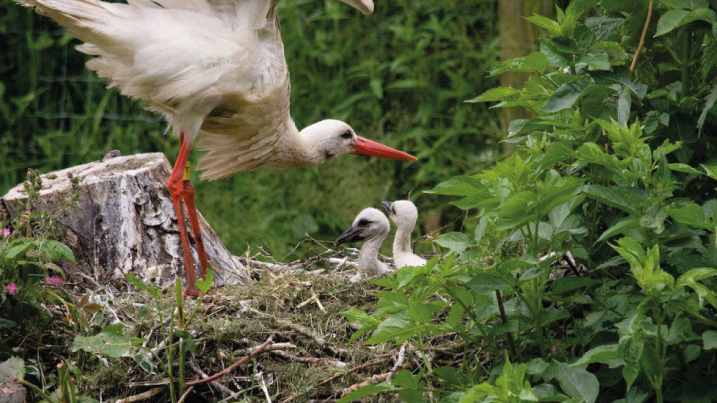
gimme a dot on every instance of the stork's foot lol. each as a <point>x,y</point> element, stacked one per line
<point>191,291</point>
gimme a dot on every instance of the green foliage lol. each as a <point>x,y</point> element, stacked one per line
<point>29,257</point>
<point>610,169</point>
<point>398,76</point>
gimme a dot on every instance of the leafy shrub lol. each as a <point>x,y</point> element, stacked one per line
<point>28,272</point>
<point>613,170</point>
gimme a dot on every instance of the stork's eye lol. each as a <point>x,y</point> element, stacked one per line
<point>346,134</point>
<point>364,223</point>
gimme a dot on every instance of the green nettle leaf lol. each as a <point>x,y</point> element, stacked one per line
<point>205,284</point>
<point>602,27</point>
<point>394,328</point>
<point>368,390</point>
<point>601,354</point>
<point>676,18</point>
<point>691,215</point>
<point>55,250</point>
<point>680,167</point>
<point>11,369</point>
<point>111,342</point>
<point>709,338</point>
<point>685,4</point>
<point>578,383</point>
<point>153,291</point>
<point>534,62</point>
<point>709,103</point>
<point>566,284</point>
<point>495,94</point>
<point>565,96</point>
<point>549,25</point>
<point>621,227</point>
<point>455,241</point>
<point>609,197</point>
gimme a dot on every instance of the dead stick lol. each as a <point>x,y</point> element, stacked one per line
<point>236,364</point>
<point>142,396</point>
<point>642,39</point>
<point>184,396</point>
<point>354,369</point>
<point>511,345</point>
<point>216,384</point>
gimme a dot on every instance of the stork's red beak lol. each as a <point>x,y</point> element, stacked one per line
<point>368,147</point>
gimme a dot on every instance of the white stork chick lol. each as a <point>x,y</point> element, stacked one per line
<point>404,214</point>
<point>370,226</point>
<point>216,70</point>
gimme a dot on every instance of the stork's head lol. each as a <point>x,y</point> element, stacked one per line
<point>402,212</point>
<point>330,138</point>
<point>369,224</point>
<point>365,6</point>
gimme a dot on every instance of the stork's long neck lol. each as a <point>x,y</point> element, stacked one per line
<point>402,241</point>
<point>368,256</point>
<point>305,147</point>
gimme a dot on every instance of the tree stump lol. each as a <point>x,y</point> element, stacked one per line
<point>124,221</point>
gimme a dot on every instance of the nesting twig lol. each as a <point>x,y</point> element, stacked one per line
<point>236,364</point>
<point>216,384</point>
<point>143,395</point>
<point>642,39</point>
<point>310,360</point>
<point>372,380</point>
<point>184,396</point>
<point>291,325</point>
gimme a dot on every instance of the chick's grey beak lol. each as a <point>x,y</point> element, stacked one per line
<point>352,234</point>
<point>387,206</point>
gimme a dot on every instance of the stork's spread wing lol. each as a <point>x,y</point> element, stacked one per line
<point>242,134</point>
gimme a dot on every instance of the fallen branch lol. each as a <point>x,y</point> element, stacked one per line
<point>372,380</point>
<point>143,395</point>
<point>236,364</point>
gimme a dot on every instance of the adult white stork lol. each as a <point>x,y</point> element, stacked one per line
<point>216,70</point>
<point>404,214</point>
<point>370,227</point>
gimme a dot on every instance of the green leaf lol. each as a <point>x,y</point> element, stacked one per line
<point>609,197</point>
<point>421,311</point>
<point>578,383</point>
<point>691,215</point>
<point>495,94</point>
<point>621,227</point>
<point>455,241</point>
<point>205,285</point>
<point>534,62</point>
<point>709,338</point>
<point>394,328</point>
<point>676,18</point>
<point>685,4</point>
<point>602,27</point>
<point>549,25</point>
<point>485,283</point>
<point>55,250</point>
<point>11,369</point>
<point>368,390</point>
<point>709,103</point>
<point>693,275</point>
<point>111,342</point>
<point>565,96</point>
<point>153,291</point>
<point>680,167</point>
<point>601,354</point>
<point>18,251</point>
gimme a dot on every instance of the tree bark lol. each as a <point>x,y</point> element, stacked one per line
<point>518,38</point>
<point>124,221</point>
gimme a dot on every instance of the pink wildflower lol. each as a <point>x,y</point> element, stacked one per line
<point>26,212</point>
<point>6,232</point>
<point>12,288</point>
<point>54,280</point>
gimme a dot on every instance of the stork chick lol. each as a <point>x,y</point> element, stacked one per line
<point>404,214</point>
<point>370,226</point>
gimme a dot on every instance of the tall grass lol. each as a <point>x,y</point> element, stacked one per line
<point>399,76</point>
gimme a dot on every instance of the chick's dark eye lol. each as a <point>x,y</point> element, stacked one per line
<point>346,134</point>
<point>363,223</point>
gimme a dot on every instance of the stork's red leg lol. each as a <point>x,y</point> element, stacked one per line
<point>176,189</point>
<point>196,230</point>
